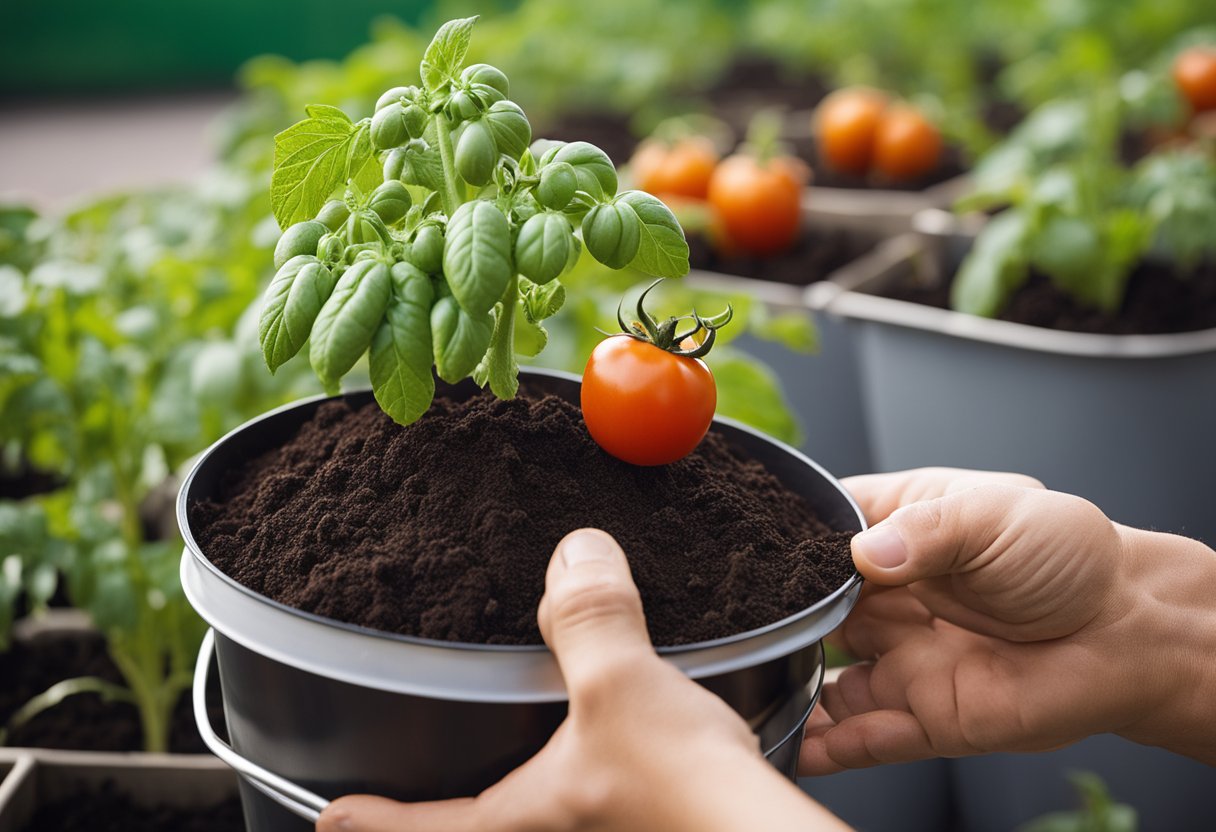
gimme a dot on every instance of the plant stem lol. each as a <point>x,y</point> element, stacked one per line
<point>443,136</point>
<point>60,691</point>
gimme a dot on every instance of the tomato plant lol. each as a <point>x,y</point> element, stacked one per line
<point>1195,74</point>
<point>647,396</point>
<point>679,168</point>
<point>846,128</point>
<point>757,199</point>
<point>454,227</point>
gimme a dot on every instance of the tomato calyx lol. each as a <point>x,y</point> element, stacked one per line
<point>666,335</point>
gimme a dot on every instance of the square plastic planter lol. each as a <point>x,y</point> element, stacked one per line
<point>37,779</point>
<point>1125,421</point>
<point>821,388</point>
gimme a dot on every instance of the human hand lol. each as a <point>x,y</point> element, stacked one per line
<point>1004,617</point>
<point>643,747</point>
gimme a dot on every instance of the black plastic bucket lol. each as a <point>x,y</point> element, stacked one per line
<point>317,708</point>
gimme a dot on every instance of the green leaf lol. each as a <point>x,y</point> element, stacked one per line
<point>995,267</point>
<point>400,358</point>
<point>592,168</point>
<point>459,340</point>
<point>498,367</point>
<point>794,330</point>
<point>362,166</point>
<point>751,392</point>
<point>477,256</point>
<point>324,112</point>
<point>293,301</point>
<point>312,159</point>
<point>349,319</point>
<point>531,338</point>
<point>445,55</point>
<point>663,251</point>
<point>540,302</point>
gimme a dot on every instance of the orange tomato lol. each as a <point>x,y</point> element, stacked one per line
<point>846,123</point>
<point>907,145</point>
<point>758,203</point>
<point>680,169</point>
<point>645,405</point>
<point>1195,75</point>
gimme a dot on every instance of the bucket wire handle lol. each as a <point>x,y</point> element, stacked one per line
<point>287,794</point>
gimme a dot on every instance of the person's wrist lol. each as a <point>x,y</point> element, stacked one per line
<point>1168,638</point>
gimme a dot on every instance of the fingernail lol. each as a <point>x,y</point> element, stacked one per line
<point>585,546</point>
<point>882,546</point>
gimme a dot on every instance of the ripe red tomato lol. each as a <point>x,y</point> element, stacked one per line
<point>846,124</point>
<point>759,203</point>
<point>645,405</point>
<point>1195,75</point>
<point>907,144</point>
<point>679,169</point>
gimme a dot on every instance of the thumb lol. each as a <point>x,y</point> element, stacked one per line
<point>591,615</point>
<point>943,536</point>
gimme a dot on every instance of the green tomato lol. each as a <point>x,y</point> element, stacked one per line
<point>542,248</point>
<point>612,233</point>
<point>510,128</point>
<point>397,95</point>
<point>486,75</point>
<point>475,153</point>
<point>333,214</point>
<point>301,238</point>
<point>557,186</point>
<point>427,252</point>
<point>391,201</point>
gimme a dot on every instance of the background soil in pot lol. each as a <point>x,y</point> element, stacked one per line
<point>444,529</point>
<point>108,810</point>
<point>1158,301</point>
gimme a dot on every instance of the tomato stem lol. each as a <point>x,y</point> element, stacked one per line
<point>664,335</point>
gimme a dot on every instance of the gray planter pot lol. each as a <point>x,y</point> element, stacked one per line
<point>37,779</point>
<point>1125,421</point>
<point>822,388</point>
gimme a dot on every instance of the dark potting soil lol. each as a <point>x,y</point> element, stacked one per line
<point>84,721</point>
<point>814,256</point>
<point>1158,301</point>
<point>444,529</point>
<point>108,810</point>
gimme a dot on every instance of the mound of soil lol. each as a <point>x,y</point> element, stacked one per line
<point>444,529</point>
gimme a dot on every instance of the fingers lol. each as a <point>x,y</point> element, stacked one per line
<point>364,813</point>
<point>941,536</point>
<point>591,615</point>
<point>879,495</point>
<point>870,739</point>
